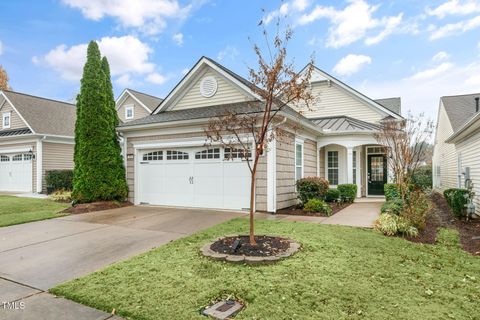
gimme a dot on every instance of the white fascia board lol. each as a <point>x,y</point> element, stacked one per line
<point>19,114</point>
<point>125,92</point>
<point>190,142</point>
<point>165,104</point>
<point>16,149</point>
<point>470,127</point>
<point>160,125</point>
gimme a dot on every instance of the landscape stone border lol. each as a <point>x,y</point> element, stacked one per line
<point>252,260</point>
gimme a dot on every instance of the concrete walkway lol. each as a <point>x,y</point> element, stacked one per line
<point>359,214</point>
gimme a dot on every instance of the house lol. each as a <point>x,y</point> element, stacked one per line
<point>132,105</point>
<point>36,135</point>
<point>457,144</point>
<point>168,163</point>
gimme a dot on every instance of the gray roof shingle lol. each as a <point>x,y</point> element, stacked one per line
<point>151,102</point>
<point>459,109</point>
<point>45,116</point>
<point>392,104</point>
<point>343,124</point>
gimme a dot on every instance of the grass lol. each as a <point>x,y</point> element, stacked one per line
<point>341,273</point>
<point>16,210</point>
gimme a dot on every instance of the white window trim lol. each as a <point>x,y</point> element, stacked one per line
<point>127,108</point>
<point>301,143</point>
<point>4,116</point>
<point>328,167</point>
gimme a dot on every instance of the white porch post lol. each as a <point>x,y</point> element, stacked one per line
<point>350,165</point>
<point>359,173</point>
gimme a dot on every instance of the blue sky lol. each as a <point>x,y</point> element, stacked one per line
<point>418,50</point>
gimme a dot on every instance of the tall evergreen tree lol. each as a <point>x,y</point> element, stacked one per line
<point>99,173</point>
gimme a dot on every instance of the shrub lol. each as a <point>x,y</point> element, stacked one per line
<point>422,178</point>
<point>348,192</point>
<point>417,209</point>
<point>61,196</point>
<point>332,195</point>
<point>311,188</point>
<point>391,191</point>
<point>456,199</point>
<point>394,206</point>
<point>391,225</point>
<point>59,180</point>
<point>317,205</point>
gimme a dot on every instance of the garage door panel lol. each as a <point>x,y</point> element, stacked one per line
<point>208,184</point>
<point>16,172</point>
<point>151,189</point>
<point>237,184</point>
<point>178,189</point>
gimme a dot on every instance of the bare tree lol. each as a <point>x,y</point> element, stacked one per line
<point>4,79</point>
<point>277,84</point>
<point>406,143</point>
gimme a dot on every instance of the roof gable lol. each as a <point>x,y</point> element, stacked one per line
<point>459,109</point>
<point>148,102</point>
<point>228,83</point>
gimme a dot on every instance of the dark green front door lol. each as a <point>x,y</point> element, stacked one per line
<point>377,174</point>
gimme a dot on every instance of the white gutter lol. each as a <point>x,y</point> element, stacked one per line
<point>458,135</point>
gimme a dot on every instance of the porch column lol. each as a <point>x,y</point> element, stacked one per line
<point>350,165</point>
<point>359,173</point>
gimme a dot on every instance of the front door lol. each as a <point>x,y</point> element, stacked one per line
<point>377,174</point>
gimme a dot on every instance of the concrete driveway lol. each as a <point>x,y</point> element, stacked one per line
<point>39,255</point>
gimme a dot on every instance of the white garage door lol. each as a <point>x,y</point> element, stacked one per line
<point>16,172</point>
<point>194,177</point>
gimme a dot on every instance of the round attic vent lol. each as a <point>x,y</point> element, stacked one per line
<point>208,87</point>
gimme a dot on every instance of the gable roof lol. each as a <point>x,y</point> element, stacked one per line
<point>321,75</point>
<point>459,108</point>
<point>344,124</point>
<point>147,101</point>
<point>42,115</point>
<point>241,82</point>
<point>392,104</point>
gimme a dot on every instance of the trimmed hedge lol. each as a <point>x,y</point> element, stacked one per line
<point>311,188</point>
<point>456,199</point>
<point>59,180</point>
<point>422,179</point>
<point>348,192</point>
<point>394,206</point>
<point>317,205</point>
<point>332,195</point>
<point>391,191</point>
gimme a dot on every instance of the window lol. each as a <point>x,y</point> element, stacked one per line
<point>4,158</point>
<point>17,157</point>
<point>6,120</point>
<point>237,153</point>
<point>298,160</point>
<point>332,167</point>
<point>27,156</point>
<point>354,162</point>
<point>129,114</point>
<point>208,154</point>
<point>153,156</point>
<point>176,155</point>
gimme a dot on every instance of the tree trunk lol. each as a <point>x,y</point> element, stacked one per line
<point>252,202</point>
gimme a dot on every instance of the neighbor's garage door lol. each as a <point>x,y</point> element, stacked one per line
<point>16,172</point>
<point>194,177</point>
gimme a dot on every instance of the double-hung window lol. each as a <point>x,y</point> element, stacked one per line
<point>332,167</point>
<point>129,113</point>
<point>298,160</point>
<point>6,119</point>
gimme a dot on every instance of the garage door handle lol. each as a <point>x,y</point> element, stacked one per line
<point>190,179</point>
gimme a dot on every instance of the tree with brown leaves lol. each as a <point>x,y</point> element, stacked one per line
<point>277,84</point>
<point>4,79</point>
<point>406,144</point>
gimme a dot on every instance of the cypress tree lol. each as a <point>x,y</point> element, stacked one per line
<point>99,173</point>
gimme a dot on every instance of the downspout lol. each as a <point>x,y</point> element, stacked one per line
<point>39,159</point>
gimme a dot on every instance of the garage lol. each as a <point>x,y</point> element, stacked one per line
<point>194,177</point>
<point>16,172</point>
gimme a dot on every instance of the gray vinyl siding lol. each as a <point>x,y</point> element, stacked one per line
<point>469,151</point>
<point>56,156</point>
<point>310,158</point>
<point>139,110</point>
<point>226,93</point>
<point>15,121</point>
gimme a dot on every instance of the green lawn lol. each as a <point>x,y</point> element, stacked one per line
<point>341,273</point>
<point>15,210</point>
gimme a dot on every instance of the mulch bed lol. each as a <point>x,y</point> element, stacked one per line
<point>266,246</point>
<point>442,216</point>
<point>298,211</point>
<point>96,206</point>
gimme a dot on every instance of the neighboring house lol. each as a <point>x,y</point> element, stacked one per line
<point>36,135</point>
<point>168,163</point>
<point>133,105</point>
<point>457,143</point>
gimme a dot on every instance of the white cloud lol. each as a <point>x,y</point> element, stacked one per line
<point>36,60</point>
<point>156,78</point>
<point>294,6</point>
<point>185,71</point>
<point>454,28</point>
<point>124,81</point>
<point>454,7</point>
<point>441,56</point>
<point>149,16</point>
<point>228,53</point>
<point>353,23</point>
<point>433,72</point>
<point>178,38</point>
<point>421,94</point>
<point>351,64</point>
<point>125,54</point>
